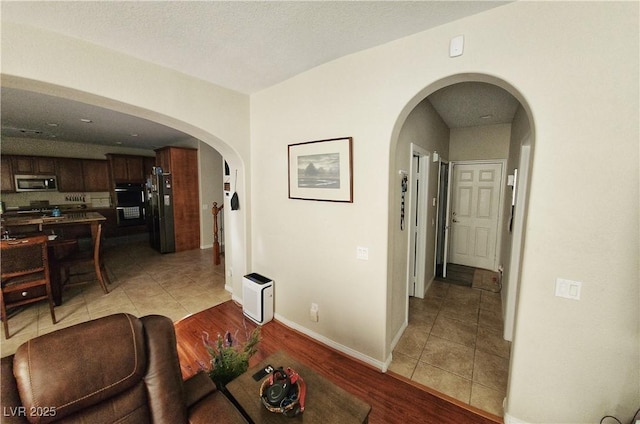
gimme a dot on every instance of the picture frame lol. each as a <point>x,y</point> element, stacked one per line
<point>321,170</point>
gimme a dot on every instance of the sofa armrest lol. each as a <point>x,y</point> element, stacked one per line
<point>198,387</point>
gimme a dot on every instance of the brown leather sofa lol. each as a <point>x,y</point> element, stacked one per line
<point>116,369</point>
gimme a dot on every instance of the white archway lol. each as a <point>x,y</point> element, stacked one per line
<point>397,304</point>
<point>236,234</point>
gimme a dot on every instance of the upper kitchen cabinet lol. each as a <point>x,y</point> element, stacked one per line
<point>96,175</point>
<point>69,174</point>
<point>127,168</point>
<point>6,177</point>
<point>90,175</point>
<point>148,163</point>
<point>33,165</point>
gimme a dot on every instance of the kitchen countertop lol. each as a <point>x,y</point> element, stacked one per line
<point>75,217</point>
<point>27,210</point>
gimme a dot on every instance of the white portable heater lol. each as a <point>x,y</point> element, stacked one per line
<point>257,298</point>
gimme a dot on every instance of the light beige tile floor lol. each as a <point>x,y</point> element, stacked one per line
<point>454,344</point>
<point>143,282</point>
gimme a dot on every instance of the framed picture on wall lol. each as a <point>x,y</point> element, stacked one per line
<point>321,170</point>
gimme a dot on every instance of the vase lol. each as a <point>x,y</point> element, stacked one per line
<point>222,376</point>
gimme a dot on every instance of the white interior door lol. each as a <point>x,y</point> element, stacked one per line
<point>447,223</point>
<point>413,228</point>
<point>475,213</point>
<point>418,183</point>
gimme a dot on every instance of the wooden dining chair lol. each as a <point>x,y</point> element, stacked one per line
<point>25,278</point>
<point>88,262</point>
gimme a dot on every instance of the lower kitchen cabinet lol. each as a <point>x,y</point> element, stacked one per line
<point>110,226</point>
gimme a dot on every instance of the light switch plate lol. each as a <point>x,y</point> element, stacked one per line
<point>568,288</point>
<point>362,253</point>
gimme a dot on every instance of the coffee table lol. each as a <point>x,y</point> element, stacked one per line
<point>325,402</point>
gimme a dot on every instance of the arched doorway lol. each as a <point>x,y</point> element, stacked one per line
<point>235,235</point>
<point>456,359</point>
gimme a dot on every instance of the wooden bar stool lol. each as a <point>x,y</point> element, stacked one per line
<point>92,259</point>
<point>25,275</point>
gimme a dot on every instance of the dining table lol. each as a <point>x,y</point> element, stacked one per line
<point>23,225</point>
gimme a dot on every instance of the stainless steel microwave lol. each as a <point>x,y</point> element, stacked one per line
<point>36,183</point>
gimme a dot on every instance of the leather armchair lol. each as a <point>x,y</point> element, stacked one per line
<point>114,369</point>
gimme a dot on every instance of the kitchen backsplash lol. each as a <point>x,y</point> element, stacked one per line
<point>93,199</point>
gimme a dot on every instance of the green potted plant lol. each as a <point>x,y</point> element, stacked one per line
<point>228,359</point>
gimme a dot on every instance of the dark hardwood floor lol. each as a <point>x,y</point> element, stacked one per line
<point>393,398</point>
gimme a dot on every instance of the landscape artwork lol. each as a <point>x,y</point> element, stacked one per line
<point>321,170</point>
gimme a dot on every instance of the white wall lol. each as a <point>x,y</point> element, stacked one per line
<point>426,129</point>
<point>211,166</point>
<point>513,227</point>
<point>573,361</point>
<point>480,143</point>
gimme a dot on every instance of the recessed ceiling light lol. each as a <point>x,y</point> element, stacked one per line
<point>486,116</point>
<point>34,132</point>
<point>133,135</point>
<point>86,121</point>
<point>52,124</point>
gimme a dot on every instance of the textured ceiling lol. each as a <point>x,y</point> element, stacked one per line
<point>471,104</point>
<point>26,114</point>
<point>244,46</point>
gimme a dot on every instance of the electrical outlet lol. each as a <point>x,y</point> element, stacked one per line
<point>313,312</point>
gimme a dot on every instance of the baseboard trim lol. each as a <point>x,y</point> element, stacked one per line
<point>398,335</point>
<point>427,286</point>
<point>337,346</point>
<point>508,419</point>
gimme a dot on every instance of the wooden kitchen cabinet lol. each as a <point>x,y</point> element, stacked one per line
<point>89,175</point>
<point>148,163</point>
<point>182,163</point>
<point>127,168</point>
<point>33,165</point>
<point>110,226</point>
<point>6,178</point>
<point>96,175</point>
<point>70,177</point>
<point>74,174</point>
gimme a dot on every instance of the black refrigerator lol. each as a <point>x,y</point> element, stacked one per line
<point>160,216</point>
